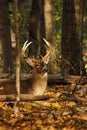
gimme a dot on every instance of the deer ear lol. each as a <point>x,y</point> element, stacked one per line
<point>46,59</point>
<point>30,62</point>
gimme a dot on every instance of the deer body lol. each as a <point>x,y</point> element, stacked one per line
<point>38,81</point>
<point>39,85</point>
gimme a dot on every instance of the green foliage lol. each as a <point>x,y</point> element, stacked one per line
<point>23,14</point>
<point>58,28</point>
<point>85,34</point>
<point>58,18</point>
<point>24,10</point>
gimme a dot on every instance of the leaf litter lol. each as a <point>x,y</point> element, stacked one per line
<point>63,111</point>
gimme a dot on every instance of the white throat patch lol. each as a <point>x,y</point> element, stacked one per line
<point>45,74</point>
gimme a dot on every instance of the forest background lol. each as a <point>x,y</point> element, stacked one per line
<point>62,23</point>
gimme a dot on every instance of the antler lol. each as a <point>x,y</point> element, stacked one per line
<point>48,50</point>
<point>31,61</point>
<point>25,46</point>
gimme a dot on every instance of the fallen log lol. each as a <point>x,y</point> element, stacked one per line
<point>58,79</point>
<point>75,79</point>
<point>52,78</point>
<point>23,97</point>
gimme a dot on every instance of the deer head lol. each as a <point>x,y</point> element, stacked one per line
<point>39,72</point>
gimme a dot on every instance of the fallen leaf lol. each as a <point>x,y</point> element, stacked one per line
<point>56,104</point>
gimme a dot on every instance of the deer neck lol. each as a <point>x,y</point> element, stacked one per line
<point>39,83</point>
<point>39,78</point>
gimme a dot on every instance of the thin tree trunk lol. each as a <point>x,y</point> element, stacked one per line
<point>16,110</point>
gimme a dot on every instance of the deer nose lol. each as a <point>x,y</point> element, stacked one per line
<point>45,68</point>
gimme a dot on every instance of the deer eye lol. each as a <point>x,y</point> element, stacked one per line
<point>37,66</point>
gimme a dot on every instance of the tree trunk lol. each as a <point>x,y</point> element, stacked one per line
<point>85,22</point>
<point>71,46</point>
<point>34,24</point>
<point>16,106</point>
<point>6,36</point>
<point>85,7</point>
<point>47,27</point>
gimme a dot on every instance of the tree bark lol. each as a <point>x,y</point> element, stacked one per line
<point>47,27</point>
<point>6,37</point>
<point>34,31</point>
<point>17,99</point>
<point>17,48</point>
<point>71,46</point>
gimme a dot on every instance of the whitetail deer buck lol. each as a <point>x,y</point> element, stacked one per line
<point>38,82</point>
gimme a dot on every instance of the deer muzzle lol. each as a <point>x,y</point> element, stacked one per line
<point>45,68</point>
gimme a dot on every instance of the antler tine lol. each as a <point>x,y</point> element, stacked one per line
<point>26,44</point>
<point>48,46</point>
<point>48,50</point>
<point>47,43</point>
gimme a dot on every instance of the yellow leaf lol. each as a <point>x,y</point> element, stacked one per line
<point>38,122</point>
<point>27,107</point>
<point>71,104</point>
<point>58,94</point>
<point>69,128</point>
<point>2,128</point>
<point>56,104</point>
<point>51,128</point>
<point>50,93</point>
<point>2,104</point>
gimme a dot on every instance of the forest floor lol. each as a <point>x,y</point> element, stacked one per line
<point>63,111</point>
